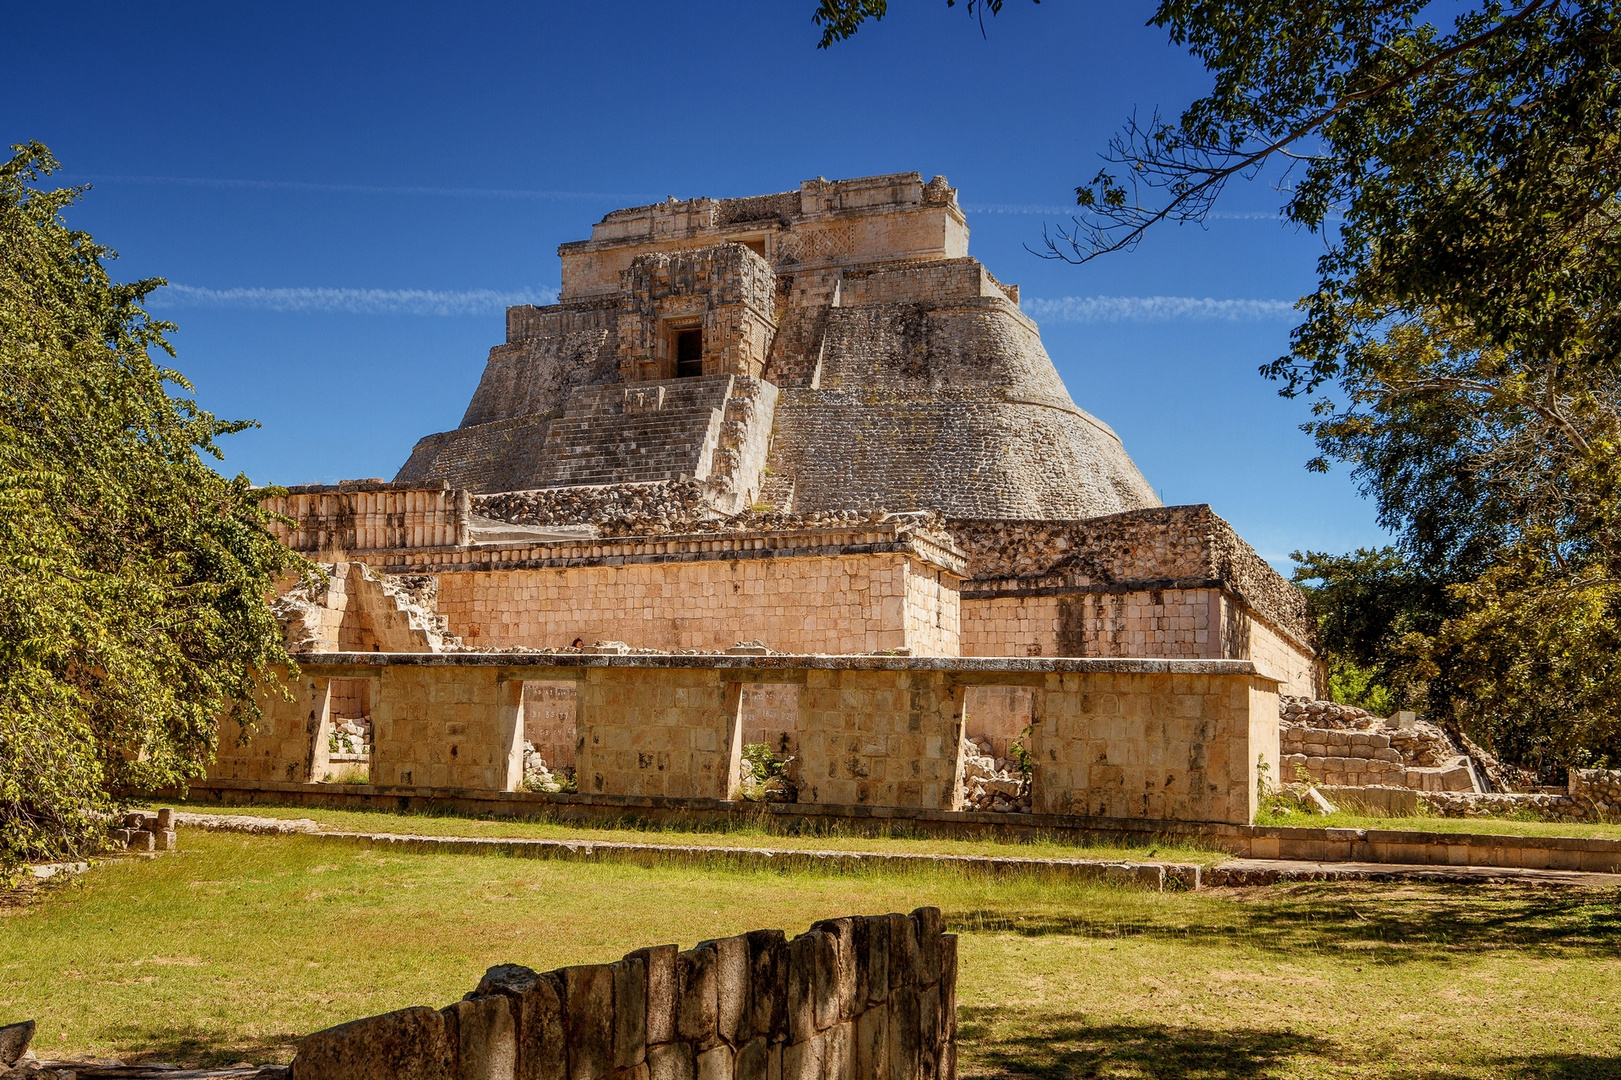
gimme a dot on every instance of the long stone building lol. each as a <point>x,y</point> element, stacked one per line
<point>809,422</point>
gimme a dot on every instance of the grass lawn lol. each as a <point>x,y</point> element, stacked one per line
<point>1497,826</point>
<point>840,836</point>
<point>236,945</point>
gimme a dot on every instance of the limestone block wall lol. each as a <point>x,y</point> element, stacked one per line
<point>880,738</point>
<point>366,516</point>
<point>814,604</point>
<point>447,727</point>
<point>1160,545</point>
<point>281,744</point>
<point>549,725</point>
<point>869,997</point>
<point>826,223</point>
<point>674,734</point>
<point>1165,747</point>
<point>1163,740</point>
<point>1192,624</point>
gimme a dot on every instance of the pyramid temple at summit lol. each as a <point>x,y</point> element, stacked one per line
<point>830,348</point>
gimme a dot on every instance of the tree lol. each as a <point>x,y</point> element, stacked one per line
<point>133,577</point>
<point>840,19</point>
<point>1463,339</point>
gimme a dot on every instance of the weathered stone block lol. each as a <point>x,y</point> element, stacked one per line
<point>537,1003</point>
<point>948,987</point>
<point>803,956</point>
<point>929,927</point>
<point>804,1061</point>
<point>715,1063</point>
<point>630,1012</point>
<point>826,995</point>
<point>839,1055</point>
<point>768,984</point>
<point>697,1019</point>
<point>928,1032</point>
<point>14,1040</point>
<point>732,978</point>
<point>842,932</point>
<point>486,1038</point>
<point>164,840</point>
<point>872,1043</point>
<point>875,931</point>
<point>671,1061</point>
<point>588,1003</point>
<point>903,1033</point>
<point>411,1044</point>
<point>904,958</point>
<point>754,1060</point>
<point>661,991</point>
<point>165,817</point>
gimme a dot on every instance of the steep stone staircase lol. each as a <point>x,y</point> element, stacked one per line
<point>635,433</point>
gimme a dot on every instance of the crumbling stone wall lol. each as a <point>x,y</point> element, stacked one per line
<point>1159,545</point>
<point>866,996</point>
<point>363,515</point>
<point>1344,746</point>
<point>358,609</point>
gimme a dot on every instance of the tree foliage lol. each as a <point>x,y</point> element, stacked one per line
<point>133,577</point>
<point>1463,162</point>
<point>840,19</point>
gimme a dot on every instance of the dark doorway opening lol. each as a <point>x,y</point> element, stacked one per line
<point>689,353</point>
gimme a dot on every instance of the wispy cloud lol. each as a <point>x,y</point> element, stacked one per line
<point>364,189</point>
<point>1093,309</point>
<point>353,301</point>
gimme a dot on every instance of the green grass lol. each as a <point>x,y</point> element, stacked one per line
<point>1493,826</point>
<point>236,945</point>
<point>841,836</point>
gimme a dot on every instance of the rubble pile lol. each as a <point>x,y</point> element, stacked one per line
<point>667,508</point>
<point>146,832</point>
<point>350,738</point>
<point>1341,745</point>
<point>992,783</point>
<point>537,776</point>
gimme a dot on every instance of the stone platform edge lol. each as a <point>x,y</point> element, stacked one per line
<point>1154,875</point>
<point>1410,847</point>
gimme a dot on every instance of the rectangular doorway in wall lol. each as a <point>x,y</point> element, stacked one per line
<point>770,718</point>
<point>689,353</point>
<point>550,734</point>
<point>349,744</point>
<point>994,775</point>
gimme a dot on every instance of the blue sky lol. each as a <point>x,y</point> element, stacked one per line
<point>345,196</point>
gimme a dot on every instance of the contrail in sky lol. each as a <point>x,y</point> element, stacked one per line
<point>1076,309</point>
<point>1095,309</point>
<point>353,301</point>
<point>364,189</point>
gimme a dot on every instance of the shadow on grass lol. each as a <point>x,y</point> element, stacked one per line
<point>1379,923</point>
<point>1552,1067</point>
<point>1069,1048</point>
<point>200,1047</point>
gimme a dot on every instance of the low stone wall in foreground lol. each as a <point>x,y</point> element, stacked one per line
<point>869,996</point>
